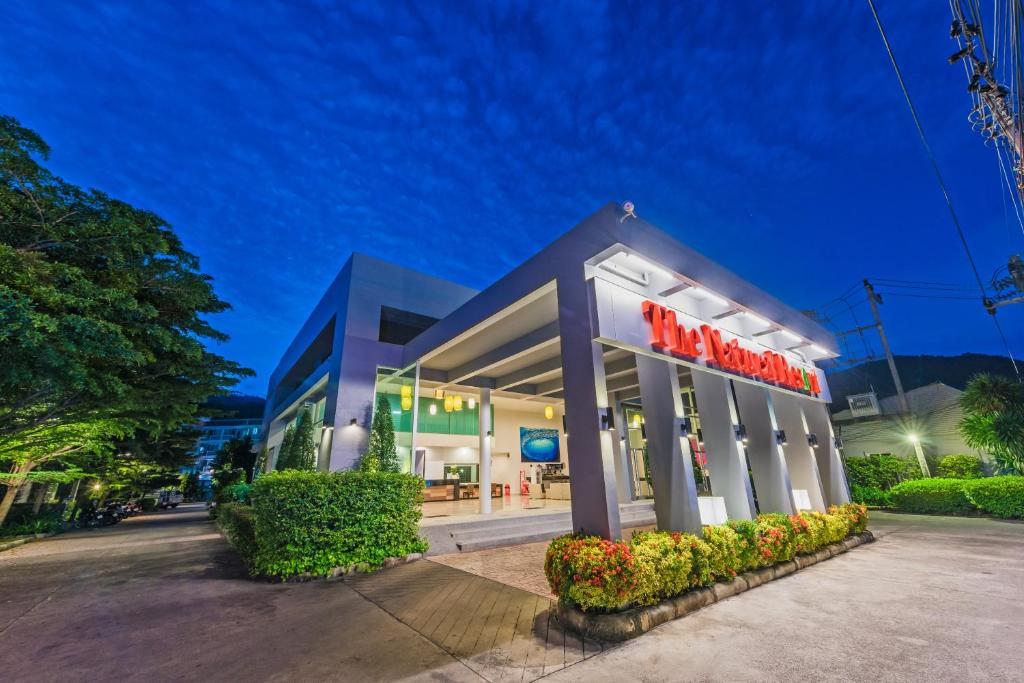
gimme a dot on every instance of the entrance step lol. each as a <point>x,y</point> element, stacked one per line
<point>503,531</point>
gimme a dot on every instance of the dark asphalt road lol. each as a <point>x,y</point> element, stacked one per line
<point>161,597</point>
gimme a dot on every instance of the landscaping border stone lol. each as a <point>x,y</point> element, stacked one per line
<point>630,623</point>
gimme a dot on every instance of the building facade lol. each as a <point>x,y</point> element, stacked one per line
<point>884,428</point>
<point>615,364</point>
<point>214,433</point>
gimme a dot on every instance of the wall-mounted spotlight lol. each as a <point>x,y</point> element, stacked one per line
<point>565,427</point>
<point>741,433</point>
<point>607,422</point>
<point>812,440</point>
<point>780,437</point>
<point>700,438</point>
<point>643,431</point>
<point>685,426</point>
<point>837,442</point>
<point>353,422</point>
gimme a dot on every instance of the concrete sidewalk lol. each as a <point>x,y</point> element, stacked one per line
<point>934,599</point>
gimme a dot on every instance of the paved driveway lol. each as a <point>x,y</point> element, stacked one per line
<point>162,597</point>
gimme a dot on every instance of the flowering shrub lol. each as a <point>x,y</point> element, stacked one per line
<point>746,543</point>
<point>856,516</point>
<point>596,574</point>
<point>662,563</point>
<point>775,538</point>
<point>724,562</point>
<point>591,572</point>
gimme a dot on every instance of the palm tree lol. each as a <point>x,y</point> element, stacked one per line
<point>993,420</point>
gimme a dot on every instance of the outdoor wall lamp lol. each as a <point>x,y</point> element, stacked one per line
<point>837,442</point>
<point>780,437</point>
<point>685,426</point>
<point>812,440</point>
<point>605,415</point>
<point>643,431</point>
<point>353,422</point>
<point>741,432</point>
<point>700,438</point>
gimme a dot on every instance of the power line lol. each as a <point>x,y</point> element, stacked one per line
<point>938,177</point>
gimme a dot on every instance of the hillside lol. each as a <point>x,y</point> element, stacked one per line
<point>233,405</point>
<point>915,371</point>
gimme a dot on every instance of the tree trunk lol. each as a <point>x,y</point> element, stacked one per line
<point>37,504</point>
<point>14,488</point>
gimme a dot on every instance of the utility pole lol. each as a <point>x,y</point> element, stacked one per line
<point>875,299</point>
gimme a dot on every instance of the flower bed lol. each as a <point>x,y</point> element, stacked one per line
<point>591,575</point>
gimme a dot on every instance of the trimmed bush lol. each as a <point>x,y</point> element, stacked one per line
<point>960,467</point>
<point>999,496</point>
<point>746,544</point>
<point>595,574</point>
<point>724,562</point>
<point>870,495</point>
<point>312,522</point>
<point>881,471</point>
<point>663,563</point>
<point>235,520</point>
<point>776,540</point>
<point>932,496</point>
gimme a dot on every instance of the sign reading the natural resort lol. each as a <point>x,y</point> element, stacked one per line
<point>669,336</point>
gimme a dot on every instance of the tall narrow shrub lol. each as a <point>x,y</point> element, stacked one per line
<point>303,446</point>
<point>381,453</point>
<point>285,457</point>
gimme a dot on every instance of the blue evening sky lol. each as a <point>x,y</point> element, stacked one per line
<point>458,138</point>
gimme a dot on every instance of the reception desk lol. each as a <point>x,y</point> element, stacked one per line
<point>435,492</point>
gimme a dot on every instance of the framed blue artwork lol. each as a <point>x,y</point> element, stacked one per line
<point>538,445</point>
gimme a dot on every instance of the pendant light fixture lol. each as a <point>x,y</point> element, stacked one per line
<point>449,403</point>
<point>549,412</point>
<point>438,394</point>
<point>432,409</point>
<point>458,402</point>
<point>406,390</point>
<point>407,403</point>
<point>471,403</point>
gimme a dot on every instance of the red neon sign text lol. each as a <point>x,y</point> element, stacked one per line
<point>669,336</point>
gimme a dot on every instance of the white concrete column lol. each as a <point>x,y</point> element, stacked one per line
<point>415,419</point>
<point>485,451</point>
<point>727,462</point>
<point>766,455</point>
<point>623,471</point>
<point>800,457</point>
<point>595,508</point>
<point>830,466</point>
<point>668,451</point>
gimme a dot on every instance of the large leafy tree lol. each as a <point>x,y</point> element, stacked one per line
<point>102,318</point>
<point>993,420</point>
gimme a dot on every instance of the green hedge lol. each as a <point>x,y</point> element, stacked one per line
<point>312,522</point>
<point>932,496</point>
<point>235,520</point>
<point>999,496</point>
<point>960,467</point>
<point>597,574</point>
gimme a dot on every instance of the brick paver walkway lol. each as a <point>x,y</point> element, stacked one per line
<point>501,632</point>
